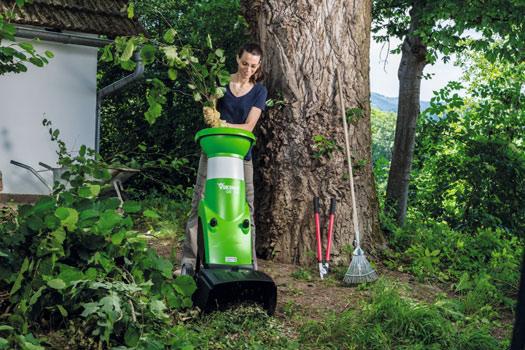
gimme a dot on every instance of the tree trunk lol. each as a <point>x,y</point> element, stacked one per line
<point>413,61</point>
<point>304,42</point>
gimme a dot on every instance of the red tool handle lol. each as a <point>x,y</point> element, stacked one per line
<point>317,229</point>
<point>330,228</point>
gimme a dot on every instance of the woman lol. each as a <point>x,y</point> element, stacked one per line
<point>240,107</point>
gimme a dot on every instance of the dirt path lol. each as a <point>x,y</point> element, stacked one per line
<point>300,291</point>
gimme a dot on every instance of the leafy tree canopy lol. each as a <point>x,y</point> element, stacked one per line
<point>470,164</point>
<point>444,25</point>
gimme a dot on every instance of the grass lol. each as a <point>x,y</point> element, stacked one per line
<point>389,320</point>
<point>245,327</point>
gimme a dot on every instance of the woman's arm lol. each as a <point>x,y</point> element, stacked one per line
<point>251,120</point>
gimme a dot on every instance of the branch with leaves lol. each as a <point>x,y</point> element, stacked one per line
<point>206,79</point>
<point>15,55</point>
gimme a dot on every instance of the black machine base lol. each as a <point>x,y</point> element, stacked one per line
<point>219,288</point>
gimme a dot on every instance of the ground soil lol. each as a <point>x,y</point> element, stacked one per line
<point>301,294</point>
<point>300,288</point>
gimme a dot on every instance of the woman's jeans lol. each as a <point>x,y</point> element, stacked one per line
<point>189,248</point>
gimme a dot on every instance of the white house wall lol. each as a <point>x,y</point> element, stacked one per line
<point>63,91</point>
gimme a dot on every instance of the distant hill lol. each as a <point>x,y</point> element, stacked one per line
<point>389,104</point>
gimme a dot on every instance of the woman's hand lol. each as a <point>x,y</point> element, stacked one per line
<point>212,117</point>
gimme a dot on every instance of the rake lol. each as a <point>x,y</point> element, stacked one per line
<point>360,270</point>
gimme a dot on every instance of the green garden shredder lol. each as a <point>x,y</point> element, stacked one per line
<point>225,273</point>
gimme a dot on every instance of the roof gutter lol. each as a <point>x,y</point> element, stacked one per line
<point>65,38</point>
<point>114,88</point>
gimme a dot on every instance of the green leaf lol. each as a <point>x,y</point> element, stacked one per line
<point>68,217</point>
<point>9,31</point>
<point>20,277</point>
<point>154,110</point>
<point>185,285</point>
<point>108,220</point>
<point>70,274</point>
<point>111,305</point>
<point>224,77</point>
<point>36,61</point>
<point>169,36</point>
<point>89,308</point>
<point>62,310</point>
<point>51,222</point>
<point>36,295</point>
<point>88,214</point>
<point>56,283</point>
<point>28,47</point>
<point>128,65</point>
<point>44,204</point>
<point>186,302</point>
<point>5,327</point>
<point>151,214</point>
<point>208,42</point>
<point>132,336</point>
<point>165,267</point>
<point>131,10</point>
<point>35,223</point>
<point>128,51</point>
<point>197,96</point>
<point>219,53</point>
<point>104,261</point>
<point>89,191</point>
<point>49,54</point>
<point>157,307</point>
<point>4,343</point>
<point>107,56</point>
<point>147,53</point>
<point>131,207</point>
<point>172,74</point>
<point>118,237</point>
<point>91,274</point>
<point>170,52</point>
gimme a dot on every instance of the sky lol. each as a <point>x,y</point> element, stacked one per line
<point>383,77</point>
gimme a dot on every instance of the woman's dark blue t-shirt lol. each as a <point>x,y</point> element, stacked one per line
<point>235,109</point>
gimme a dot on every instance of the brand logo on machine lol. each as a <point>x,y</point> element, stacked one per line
<point>231,259</point>
<point>227,188</point>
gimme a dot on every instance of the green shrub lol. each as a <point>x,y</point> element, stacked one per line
<point>76,256</point>
<point>431,250</point>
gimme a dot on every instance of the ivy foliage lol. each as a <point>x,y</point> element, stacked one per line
<point>15,55</point>
<point>76,256</point>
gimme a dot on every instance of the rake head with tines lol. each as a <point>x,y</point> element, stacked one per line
<point>360,270</point>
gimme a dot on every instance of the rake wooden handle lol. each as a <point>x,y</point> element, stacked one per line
<point>349,160</point>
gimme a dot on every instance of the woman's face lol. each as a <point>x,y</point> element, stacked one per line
<point>248,64</point>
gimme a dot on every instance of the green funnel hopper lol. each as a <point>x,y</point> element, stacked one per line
<point>225,269</point>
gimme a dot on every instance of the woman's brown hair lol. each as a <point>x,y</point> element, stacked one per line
<point>255,50</point>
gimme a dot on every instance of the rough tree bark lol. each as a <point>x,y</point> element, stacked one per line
<point>413,61</point>
<point>304,42</point>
